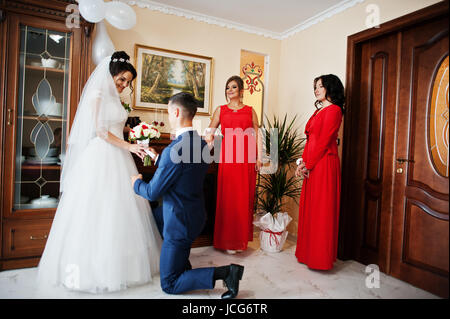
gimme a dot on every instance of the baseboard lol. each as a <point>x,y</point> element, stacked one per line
<point>19,263</point>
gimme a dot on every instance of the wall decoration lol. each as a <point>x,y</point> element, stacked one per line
<point>163,73</point>
<point>253,74</point>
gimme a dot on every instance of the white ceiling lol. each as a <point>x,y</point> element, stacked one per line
<point>272,18</point>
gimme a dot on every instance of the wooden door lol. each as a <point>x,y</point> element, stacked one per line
<point>420,242</point>
<point>373,154</point>
<point>395,189</point>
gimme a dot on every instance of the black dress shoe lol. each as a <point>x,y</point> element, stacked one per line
<point>232,281</point>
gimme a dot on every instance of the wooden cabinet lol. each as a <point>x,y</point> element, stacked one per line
<point>45,62</point>
<point>25,238</point>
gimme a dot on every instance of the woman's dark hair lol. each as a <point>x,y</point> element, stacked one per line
<point>239,82</point>
<point>119,64</point>
<point>334,90</point>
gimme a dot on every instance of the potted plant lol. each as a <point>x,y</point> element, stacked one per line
<point>272,188</point>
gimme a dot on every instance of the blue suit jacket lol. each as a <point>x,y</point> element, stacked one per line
<point>179,181</point>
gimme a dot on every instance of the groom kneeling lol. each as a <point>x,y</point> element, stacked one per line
<point>179,180</point>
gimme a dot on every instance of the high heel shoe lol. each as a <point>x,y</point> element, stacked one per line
<point>232,281</point>
<point>231,252</point>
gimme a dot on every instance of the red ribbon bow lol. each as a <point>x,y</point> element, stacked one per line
<point>273,235</point>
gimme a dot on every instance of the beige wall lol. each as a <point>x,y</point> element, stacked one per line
<point>322,49</point>
<point>294,62</point>
<point>180,34</point>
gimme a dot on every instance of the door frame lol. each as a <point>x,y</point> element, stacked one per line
<point>348,245</point>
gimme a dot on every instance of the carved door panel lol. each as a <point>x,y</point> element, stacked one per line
<point>420,242</point>
<point>373,161</point>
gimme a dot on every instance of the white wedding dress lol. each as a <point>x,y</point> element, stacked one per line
<point>103,237</point>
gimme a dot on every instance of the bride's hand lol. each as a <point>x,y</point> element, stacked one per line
<point>138,149</point>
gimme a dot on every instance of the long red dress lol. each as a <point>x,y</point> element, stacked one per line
<point>236,180</point>
<point>317,236</point>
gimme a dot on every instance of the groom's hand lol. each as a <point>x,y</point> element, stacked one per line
<point>135,178</point>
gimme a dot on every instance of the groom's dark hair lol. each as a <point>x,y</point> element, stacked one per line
<point>187,102</point>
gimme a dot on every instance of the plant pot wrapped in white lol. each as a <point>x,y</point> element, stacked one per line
<point>282,140</point>
<point>273,231</point>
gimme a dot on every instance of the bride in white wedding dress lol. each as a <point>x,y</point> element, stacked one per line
<point>103,237</point>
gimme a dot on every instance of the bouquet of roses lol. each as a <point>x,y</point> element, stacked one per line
<point>142,134</point>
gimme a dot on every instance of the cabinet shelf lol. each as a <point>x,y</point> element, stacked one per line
<point>43,68</point>
<point>49,117</point>
<point>38,167</point>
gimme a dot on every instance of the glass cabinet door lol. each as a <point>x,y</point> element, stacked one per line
<point>41,116</point>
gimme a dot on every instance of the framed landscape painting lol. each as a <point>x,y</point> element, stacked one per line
<point>162,73</point>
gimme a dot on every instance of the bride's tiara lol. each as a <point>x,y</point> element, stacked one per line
<point>121,60</point>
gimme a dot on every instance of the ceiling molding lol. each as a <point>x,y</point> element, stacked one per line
<point>155,6</point>
<point>163,8</point>
<point>340,7</point>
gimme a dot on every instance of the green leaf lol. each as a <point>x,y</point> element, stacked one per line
<point>273,188</point>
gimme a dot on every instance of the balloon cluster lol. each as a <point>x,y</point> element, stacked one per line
<point>118,14</point>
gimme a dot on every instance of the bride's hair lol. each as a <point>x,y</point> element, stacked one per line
<point>120,62</point>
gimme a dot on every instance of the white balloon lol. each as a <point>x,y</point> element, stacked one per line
<point>92,10</point>
<point>120,15</point>
<point>102,45</point>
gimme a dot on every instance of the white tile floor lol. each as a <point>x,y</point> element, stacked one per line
<point>266,276</point>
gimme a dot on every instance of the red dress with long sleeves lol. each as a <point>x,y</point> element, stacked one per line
<point>236,180</point>
<point>318,222</point>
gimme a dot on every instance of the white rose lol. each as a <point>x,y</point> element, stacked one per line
<point>137,132</point>
<point>152,133</point>
<point>146,132</point>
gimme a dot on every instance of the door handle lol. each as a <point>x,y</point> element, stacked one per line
<point>9,122</point>
<point>403,160</point>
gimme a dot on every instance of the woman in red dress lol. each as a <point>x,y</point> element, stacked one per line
<point>317,236</point>
<point>236,180</point>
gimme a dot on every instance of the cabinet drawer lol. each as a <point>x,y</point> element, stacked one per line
<point>25,238</point>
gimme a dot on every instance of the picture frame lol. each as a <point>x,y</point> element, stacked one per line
<point>162,73</point>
